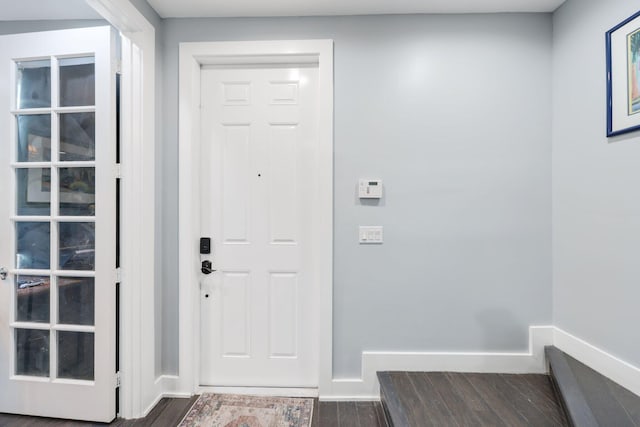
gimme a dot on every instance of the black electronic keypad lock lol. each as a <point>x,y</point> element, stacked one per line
<point>205,245</point>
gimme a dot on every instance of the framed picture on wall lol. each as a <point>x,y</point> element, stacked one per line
<point>623,77</point>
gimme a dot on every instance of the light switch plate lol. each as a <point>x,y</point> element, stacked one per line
<point>371,234</point>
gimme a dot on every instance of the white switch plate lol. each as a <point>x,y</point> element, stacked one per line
<point>370,189</point>
<point>371,234</point>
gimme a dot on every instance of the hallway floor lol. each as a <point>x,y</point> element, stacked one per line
<point>169,412</point>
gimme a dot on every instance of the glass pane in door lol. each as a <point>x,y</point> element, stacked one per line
<point>76,300</point>
<point>32,299</point>
<point>34,191</point>
<point>32,352</point>
<point>75,355</point>
<point>77,82</point>
<point>34,138</point>
<point>33,84</point>
<point>77,245</point>
<point>33,245</point>
<point>77,191</point>
<point>77,137</point>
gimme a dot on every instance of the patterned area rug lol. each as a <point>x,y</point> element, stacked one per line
<point>229,410</point>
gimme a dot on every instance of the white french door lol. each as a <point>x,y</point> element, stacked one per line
<point>58,224</point>
<point>259,149</point>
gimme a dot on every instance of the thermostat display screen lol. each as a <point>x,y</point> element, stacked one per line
<point>370,189</point>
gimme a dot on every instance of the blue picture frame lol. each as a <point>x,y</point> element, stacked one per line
<point>623,77</point>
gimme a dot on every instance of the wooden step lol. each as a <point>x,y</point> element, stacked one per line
<point>589,398</point>
<point>418,399</point>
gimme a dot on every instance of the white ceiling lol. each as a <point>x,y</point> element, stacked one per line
<point>20,10</point>
<point>228,8</point>
<point>17,10</point>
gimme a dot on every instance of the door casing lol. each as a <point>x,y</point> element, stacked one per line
<point>192,57</point>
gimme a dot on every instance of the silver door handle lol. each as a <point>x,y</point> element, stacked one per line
<point>3,273</point>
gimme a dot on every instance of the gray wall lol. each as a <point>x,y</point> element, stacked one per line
<point>596,210</point>
<point>16,27</point>
<point>453,113</point>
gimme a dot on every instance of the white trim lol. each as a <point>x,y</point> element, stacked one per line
<point>367,387</point>
<point>121,14</point>
<point>261,391</point>
<point>139,388</point>
<point>192,57</point>
<point>165,383</point>
<point>619,371</point>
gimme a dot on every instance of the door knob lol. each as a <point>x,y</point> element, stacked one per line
<point>3,273</point>
<point>207,268</point>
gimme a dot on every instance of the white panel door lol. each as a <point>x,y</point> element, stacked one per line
<point>258,162</point>
<point>57,224</point>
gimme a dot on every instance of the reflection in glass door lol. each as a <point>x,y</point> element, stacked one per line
<point>53,324</point>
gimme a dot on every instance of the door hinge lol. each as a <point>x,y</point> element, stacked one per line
<point>118,275</point>
<point>118,380</point>
<point>118,171</point>
<point>119,66</point>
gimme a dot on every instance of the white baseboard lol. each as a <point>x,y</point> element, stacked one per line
<point>152,405</point>
<point>532,361</point>
<point>165,386</point>
<point>262,391</point>
<point>619,371</point>
<point>367,387</point>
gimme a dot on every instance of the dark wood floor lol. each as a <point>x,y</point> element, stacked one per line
<point>420,399</point>
<point>350,414</point>
<point>169,412</point>
<point>428,399</point>
<point>590,398</point>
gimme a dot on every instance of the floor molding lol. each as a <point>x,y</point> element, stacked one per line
<point>152,405</point>
<point>166,387</point>
<point>262,391</point>
<point>367,387</point>
<point>617,370</point>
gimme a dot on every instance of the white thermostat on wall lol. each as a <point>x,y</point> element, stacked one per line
<point>370,189</point>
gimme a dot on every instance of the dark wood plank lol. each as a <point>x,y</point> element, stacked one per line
<point>315,417</point>
<point>391,402</point>
<point>604,406</point>
<point>382,421</point>
<point>542,385</point>
<point>436,412</point>
<point>474,400</point>
<point>523,387</point>
<point>366,414</point>
<point>575,404</point>
<point>11,420</point>
<point>513,394</point>
<point>328,414</point>
<point>173,413</point>
<point>627,399</point>
<point>347,414</point>
<point>151,416</point>
<point>412,403</point>
<point>167,413</point>
<point>486,387</point>
<point>460,410</point>
<point>7,420</point>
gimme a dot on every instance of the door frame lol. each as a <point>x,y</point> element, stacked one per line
<point>141,387</point>
<point>192,57</point>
